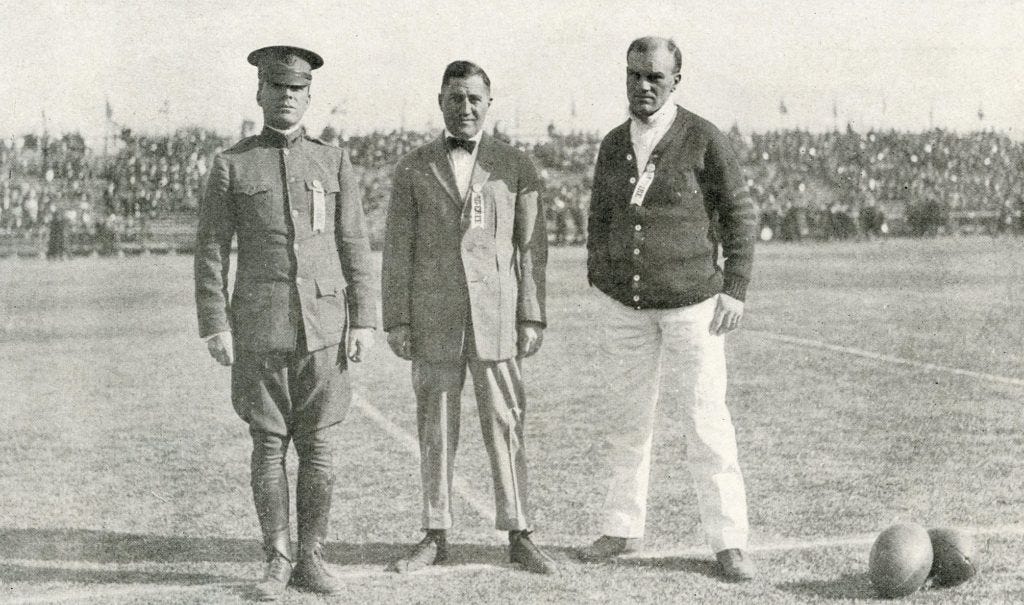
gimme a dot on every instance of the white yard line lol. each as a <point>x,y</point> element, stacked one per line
<point>931,367</point>
<point>476,501</point>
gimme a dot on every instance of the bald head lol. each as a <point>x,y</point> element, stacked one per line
<point>649,44</point>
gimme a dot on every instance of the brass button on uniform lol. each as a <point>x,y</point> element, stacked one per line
<point>636,251</point>
<point>636,277</point>
<point>636,298</point>
<point>637,227</point>
<point>632,180</point>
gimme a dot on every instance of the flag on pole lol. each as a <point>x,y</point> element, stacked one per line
<point>109,109</point>
<point>782,107</point>
<point>981,113</point>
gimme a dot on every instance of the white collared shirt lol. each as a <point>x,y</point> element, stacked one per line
<point>645,135</point>
<point>462,161</point>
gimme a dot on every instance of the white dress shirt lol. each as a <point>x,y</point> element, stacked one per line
<point>462,161</point>
<point>645,135</point>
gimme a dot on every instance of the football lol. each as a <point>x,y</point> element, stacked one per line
<point>954,557</point>
<point>900,560</point>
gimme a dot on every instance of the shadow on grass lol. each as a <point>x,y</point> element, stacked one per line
<point>95,546</point>
<point>33,574</point>
<point>704,567</point>
<point>846,586</point>
<point>114,547</point>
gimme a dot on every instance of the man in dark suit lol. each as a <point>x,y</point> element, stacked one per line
<point>668,196</point>
<point>304,286</point>
<point>465,252</point>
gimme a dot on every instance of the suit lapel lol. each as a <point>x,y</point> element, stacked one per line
<point>484,163</point>
<point>442,169</point>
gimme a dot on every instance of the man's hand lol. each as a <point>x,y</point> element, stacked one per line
<point>531,335</point>
<point>360,343</point>
<point>221,348</point>
<point>400,342</point>
<point>728,313</point>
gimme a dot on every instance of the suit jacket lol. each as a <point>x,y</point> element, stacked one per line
<point>450,262</point>
<point>297,274</point>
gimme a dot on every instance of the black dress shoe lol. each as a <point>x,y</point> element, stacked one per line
<point>431,550</point>
<point>275,578</point>
<point>523,551</point>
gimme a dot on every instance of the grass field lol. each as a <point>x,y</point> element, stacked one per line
<point>873,383</point>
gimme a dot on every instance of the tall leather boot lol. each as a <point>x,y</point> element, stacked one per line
<point>271,498</point>
<point>313,504</point>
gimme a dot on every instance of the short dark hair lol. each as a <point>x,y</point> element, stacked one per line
<point>649,43</point>
<point>464,69</point>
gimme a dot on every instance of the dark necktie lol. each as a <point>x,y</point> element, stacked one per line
<point>466,144</point>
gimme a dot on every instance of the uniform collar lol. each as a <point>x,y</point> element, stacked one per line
<point>283,138</point>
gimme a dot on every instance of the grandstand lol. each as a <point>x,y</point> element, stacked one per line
<point>60,198</point>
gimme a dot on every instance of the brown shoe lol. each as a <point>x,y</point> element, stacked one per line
<point>736,566</point>
<point>523,551</point>
<point>609,547</point>
<point>431,550</point>
<point>275,578</point>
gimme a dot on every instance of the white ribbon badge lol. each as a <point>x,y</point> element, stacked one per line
<point>643,185</point>
<point>319,209</point>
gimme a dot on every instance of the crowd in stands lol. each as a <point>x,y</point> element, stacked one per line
<point>840,184</point>
<point>61,187</point>
<point>927,179</point>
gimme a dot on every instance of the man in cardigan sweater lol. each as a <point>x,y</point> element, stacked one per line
<point>667,193</point>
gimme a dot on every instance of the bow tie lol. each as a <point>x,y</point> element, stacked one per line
<point>466,144</point>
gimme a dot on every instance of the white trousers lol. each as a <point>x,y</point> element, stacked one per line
<point>670,356</point>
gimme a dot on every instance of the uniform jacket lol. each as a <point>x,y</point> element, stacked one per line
<point>664,253</point>
<point>449,261</point>
<point>294,272</point>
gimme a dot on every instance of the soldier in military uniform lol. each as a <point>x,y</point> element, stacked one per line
<point>302,307</point>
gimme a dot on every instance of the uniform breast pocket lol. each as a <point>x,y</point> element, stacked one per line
<point>255,203</point>
<point>323,197</point>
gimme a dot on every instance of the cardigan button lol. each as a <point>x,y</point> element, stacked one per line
<point>632,180</point>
